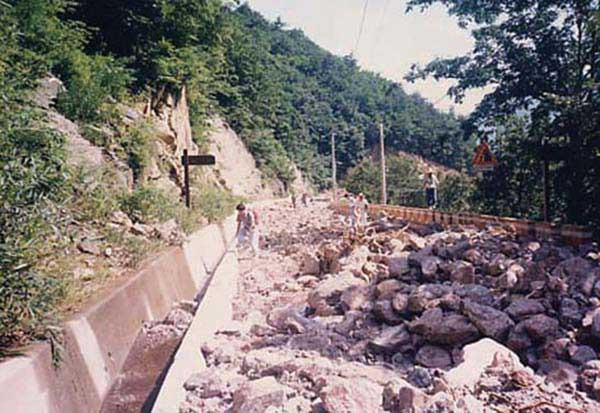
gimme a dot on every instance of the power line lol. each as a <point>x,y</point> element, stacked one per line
<point>362,26</point>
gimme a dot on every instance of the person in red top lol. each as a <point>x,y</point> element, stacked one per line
<point>247,228</point>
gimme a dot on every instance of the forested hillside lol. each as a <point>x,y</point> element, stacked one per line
<point>282,92</point>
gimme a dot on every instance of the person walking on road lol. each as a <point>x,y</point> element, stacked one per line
<point>431,188</point>
<point>247,228</point>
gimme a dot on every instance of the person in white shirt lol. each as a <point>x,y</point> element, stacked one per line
<point>361,208</point>
<point>431,187</point>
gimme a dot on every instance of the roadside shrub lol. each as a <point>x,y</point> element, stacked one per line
<point>33,175</point>
<point>215,204</point>
<point>149,205</point>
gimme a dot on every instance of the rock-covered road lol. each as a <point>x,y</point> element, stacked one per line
<point>404,319</point>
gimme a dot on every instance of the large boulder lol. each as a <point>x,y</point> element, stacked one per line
<point>326,295</point>
<point>387,289</point>
<point>490,322</point>
<point>385,313</point>
<point>475,293</point>
<point>309,264</point>
<point>355,297</point>
<point>462,272</point>
<point>477,357</point>
<point>576,267</point>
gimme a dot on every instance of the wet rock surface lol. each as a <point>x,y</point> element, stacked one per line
<point>404,319</point>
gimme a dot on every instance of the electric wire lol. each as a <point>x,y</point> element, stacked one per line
<point>362,26</point>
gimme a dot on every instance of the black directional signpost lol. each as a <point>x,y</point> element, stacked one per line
<point>188,160</point>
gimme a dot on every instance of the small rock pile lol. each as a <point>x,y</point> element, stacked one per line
<point>406,320</point>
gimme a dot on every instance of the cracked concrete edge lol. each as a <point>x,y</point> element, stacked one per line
<point>214,312</point>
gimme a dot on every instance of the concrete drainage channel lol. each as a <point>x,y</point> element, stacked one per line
<point>167,352</point>
<point>109,363</point>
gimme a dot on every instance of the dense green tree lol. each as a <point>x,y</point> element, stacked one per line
<point>542,60</point>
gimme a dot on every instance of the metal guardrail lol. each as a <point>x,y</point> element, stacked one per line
<point>571,234</point>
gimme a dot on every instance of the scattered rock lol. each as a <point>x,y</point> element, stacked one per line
<point>392,340</point>
<point>420,377</point>
<point>433,357</point>
<point>410,400</point>
<point>490,322</point>
<point>541,327</point>
<point>522,308</point>
<point>582,354</point>
<point>257,396</point>
<point>385,313</point>
<point>349,396</point>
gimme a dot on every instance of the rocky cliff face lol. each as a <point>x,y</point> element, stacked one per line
<point>236,169</point>
<point>168,124</point>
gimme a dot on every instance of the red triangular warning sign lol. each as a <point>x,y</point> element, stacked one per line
<point>484,159</point>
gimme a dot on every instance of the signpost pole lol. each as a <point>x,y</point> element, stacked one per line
<point>186,178</point>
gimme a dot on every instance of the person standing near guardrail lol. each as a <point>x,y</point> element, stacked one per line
<point>362,207</point>
<point>247,228</point>
<point>431,188</point>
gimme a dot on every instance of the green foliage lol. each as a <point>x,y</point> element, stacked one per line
<point>279,80</point>
<point>212,203</point>
<point>149,205</point>
<point>271,157</point>
<point>405,185</point>
<point>456,193</point>
<point>541,59</point>
<point>136,142</point>
<point>32,177</point>
<point>94,195</point>
<point>91,82</point>
<point>515,187</point>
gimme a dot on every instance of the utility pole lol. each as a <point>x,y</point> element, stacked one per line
<point>383,174</point>
<point>333,168</point>
<point>546,178</point>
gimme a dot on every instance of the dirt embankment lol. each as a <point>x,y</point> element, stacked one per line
<point>456,320</point>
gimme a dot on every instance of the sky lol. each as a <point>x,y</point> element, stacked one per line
<point>391,40</point>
